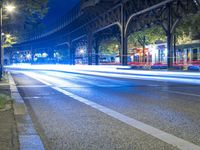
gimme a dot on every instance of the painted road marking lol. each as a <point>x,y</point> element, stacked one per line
<point>4,84</point>
<point>166,137</point>
<point>32,97</point>
<point>182,93</point>
<point>31,86</point>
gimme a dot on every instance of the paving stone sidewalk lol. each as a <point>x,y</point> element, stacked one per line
<point>8,129</point>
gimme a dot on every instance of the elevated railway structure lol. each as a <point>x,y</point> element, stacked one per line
<point>91,21</point>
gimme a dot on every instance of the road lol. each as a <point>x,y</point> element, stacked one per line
<point>90,112</point>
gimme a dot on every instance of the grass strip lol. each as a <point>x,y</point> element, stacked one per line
<point>4,100</point>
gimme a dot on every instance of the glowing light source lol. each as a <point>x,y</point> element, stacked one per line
<point>116,46</point>
<point>10,8</point>
<point>28,56</point>
<point>44,55</point>
<point>8,35</point>
<point>82,51</point>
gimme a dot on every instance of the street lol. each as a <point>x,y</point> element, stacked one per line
<point>78,111</point>
<point>100,75</point>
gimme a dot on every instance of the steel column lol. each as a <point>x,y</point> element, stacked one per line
<point>96,52</point>
<point>89,48</point>
<point>169,38</point>
<point>72,54</point>
<point>174,38</point>
<point>124,42</point>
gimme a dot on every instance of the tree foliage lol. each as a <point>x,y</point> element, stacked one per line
<point>109,47</point>
<point>9,41</point>
<point>34,11</point>
<point>146,36</point>
<point>27,18</point>
<point>188,29</point>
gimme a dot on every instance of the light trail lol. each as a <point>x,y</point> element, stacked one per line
<point>113,71</point>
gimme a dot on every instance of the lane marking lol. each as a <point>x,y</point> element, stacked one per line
<point>4,84</point>
<point>181,93</point>
<point>159,134</point>
<point>31,86</point>
<point>32,97</point>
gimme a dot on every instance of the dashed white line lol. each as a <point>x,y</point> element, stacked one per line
<point>32,86</point>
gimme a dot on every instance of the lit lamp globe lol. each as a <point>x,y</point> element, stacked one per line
<point>81,51</point>
<point>10,8</point>
<point>8,35</point>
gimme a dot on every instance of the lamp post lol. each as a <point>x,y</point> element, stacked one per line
<point>1,52</point>
<point>9,8</point>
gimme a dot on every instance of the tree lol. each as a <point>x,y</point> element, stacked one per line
<point>145,37</point>
<point>152,35</point>
<point>28,17</point>
<point>34,11</point>
<point>9,41</point>
<point>109,47</point>
<point>188,29</point>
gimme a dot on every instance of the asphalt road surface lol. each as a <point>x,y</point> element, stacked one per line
<point>88,112</point>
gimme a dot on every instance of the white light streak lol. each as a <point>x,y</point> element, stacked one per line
<point>112,71</point>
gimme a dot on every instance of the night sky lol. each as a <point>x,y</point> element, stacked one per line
<point>58,8</point>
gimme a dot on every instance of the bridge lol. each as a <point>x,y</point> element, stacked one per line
<point>92,21</point>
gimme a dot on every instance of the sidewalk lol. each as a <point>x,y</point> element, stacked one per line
<point>17,131</point>
<point>8,128</point>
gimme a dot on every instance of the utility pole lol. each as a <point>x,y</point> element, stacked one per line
<point>1,50</point>
<point>10,8</point>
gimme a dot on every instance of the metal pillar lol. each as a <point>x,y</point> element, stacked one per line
<point>72,54</point>
<point>89,48</point>
<point>10,57</point>
<point>174,38</point>
<point>51,53</point>
<point>124,42</point>
<point>143,49</point>
<point>96,52</point>
<point>169,39</point>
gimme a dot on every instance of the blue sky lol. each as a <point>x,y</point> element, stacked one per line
<point>58,8</point>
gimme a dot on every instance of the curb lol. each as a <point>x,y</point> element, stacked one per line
<point>28,136</point>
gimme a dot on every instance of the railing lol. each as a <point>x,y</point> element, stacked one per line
<point>88,3</point>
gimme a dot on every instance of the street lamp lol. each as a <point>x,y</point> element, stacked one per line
<point>8,35</point>
<point>81,51</point>
<point>9,8</point>
<point>116,46</point>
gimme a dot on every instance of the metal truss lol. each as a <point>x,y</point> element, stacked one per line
<point>125,16</point>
